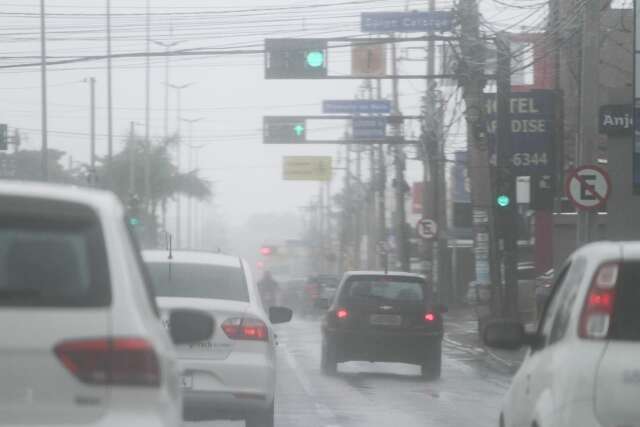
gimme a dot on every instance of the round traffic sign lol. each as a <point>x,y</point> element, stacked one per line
<point>427,228</point>
<point>588,187</point>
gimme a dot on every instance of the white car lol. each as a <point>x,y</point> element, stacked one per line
<point>81,341</point>
<point>231,375</point>
<point>582,368</point>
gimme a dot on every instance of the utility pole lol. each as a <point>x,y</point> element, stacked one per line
<point>44,152</point>
<point>472,80</point>
<point>190,165</point>
<point>357,213</point>
<point>147,116</point>
<point>92,126</point>
<point>589,105</point>
<point>399,182</point>
<point>167,83</point>
<point>132,159</point>
<point>430,160</point>
<point>179,89</point>
<point>382,185</point>
<point>109,102</point>
<point>346,213</point>
<point>506,218</point>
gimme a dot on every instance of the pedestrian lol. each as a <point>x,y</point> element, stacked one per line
<point>269,289</point>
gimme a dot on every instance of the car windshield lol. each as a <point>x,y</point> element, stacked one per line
<point>198,281</point>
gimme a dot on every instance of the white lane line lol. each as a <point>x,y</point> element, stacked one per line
<point>322,410</point>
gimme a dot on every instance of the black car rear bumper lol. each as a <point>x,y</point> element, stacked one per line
<point>406,347</point>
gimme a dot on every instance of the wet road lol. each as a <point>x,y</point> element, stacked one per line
<point>379,394</point>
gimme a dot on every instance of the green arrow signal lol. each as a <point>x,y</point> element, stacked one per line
<point>298,129</point>
<point>503,200</point>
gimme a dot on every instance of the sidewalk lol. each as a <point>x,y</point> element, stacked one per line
<point>461,329</point>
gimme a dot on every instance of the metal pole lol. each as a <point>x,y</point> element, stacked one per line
<point>147,118</point>
<point>589,104</point>
<point>109,101</point>
<point>382,184</point>
<point>132,159</point>
<point>43,56</point>
<point>400,184</point>
<point>179,167</point>
<point>92,160</point>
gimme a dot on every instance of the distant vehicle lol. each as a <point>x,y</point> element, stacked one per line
<point>328,287</point>
<point>581,369</point>
<point>82,342</point>
<point>380,317</point>
<point>231,375</point>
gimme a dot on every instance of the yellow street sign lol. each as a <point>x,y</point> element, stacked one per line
<point>306,168</point>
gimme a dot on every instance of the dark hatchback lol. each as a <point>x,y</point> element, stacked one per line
<point>380,317</point>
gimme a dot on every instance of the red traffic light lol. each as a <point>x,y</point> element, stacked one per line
<point>260,265</point>
<point>267,250</point>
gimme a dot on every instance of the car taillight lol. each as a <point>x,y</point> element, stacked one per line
<point>111,361</point>
<point>240,328</point>
<point>429,317</point>
<point>342,313</point>
<point>598,307</point>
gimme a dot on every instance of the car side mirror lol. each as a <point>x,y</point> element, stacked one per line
<point>190,326</point>
<point>322,304</point>
<point>505,334</point>
<point>280,315</point>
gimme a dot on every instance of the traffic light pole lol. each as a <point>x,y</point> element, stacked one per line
<point>506,204</point>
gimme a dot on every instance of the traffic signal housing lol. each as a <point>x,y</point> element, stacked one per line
<point>295,58</point>
<point>284,129</point>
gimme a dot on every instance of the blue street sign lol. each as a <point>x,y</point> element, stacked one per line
<point>372,128</point>
<point>356,106</point>
<point>407,22</point>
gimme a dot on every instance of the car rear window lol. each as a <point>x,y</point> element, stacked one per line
<point>625,324</point>
<point>53,261</point>
<point>198,281</point>
<point>394,289</point>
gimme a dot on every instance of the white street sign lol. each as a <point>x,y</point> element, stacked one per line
<point>588,187</point>
<point>427,228</point>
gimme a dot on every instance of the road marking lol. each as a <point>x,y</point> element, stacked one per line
<point>322,410</point>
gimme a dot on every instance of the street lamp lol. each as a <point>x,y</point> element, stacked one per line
<point>190,165</point>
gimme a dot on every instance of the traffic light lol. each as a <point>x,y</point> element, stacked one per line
<point>295,58</point>
<point>134,213</point>
<point>284,129</point>
<point>503,200</point>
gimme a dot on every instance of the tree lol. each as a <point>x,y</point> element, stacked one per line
<point>26,165</point>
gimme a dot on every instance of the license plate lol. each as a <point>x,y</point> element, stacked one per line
<point>186,381</point>
<point>385,319</point>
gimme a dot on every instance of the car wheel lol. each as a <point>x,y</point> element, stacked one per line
<point>328,361</point>
<point>432,367</point>
<point>261,419</point>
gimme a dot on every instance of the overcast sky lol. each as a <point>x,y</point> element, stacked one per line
<point>229,92</point>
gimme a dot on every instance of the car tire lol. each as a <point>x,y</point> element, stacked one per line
<point>262,419</point>
<point>431,368</point>
<point>328,360</point>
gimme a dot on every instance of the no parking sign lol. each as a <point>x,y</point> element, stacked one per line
<point>588,187</point>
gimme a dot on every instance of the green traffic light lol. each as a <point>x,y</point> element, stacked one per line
<point>315,59</point>
<point>503,200</point>
<point>298,129</point>
<point>133,221</point>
